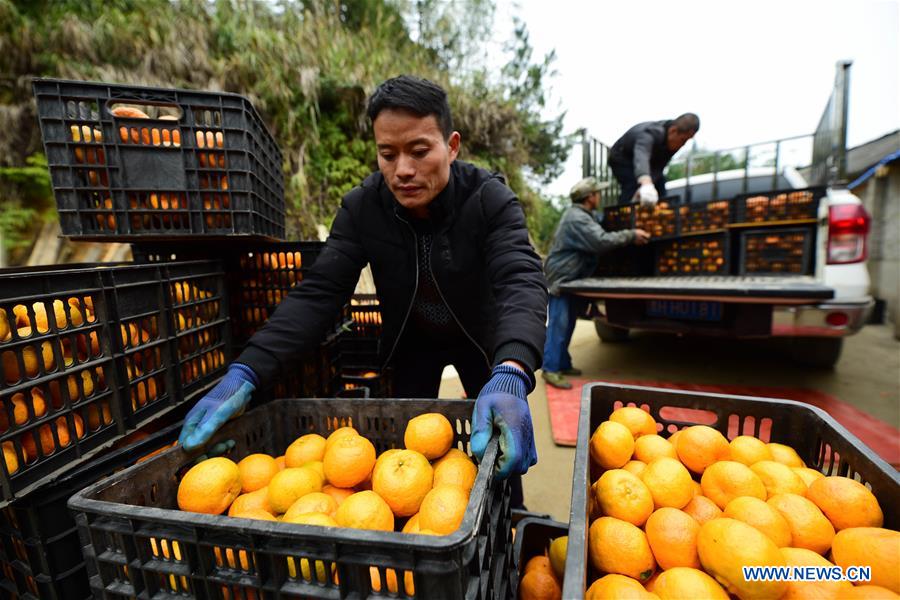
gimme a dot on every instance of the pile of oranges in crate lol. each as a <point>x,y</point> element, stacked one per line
<point>693,256</point>
<point>780,207</point>
<point>776,252</point>
<point>704,217</point>
<point>658,220</point>
<point>199,348</point>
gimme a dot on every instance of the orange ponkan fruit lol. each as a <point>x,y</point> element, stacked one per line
<point>672,535</point>
<point>365,510</point>
<point>256,500</point>
<point>785,455</point>
<point>846,502</point>
<point>316,502</point>
<point>807,475</point>
<point>538,562</point>
<point>698,489</point>
<point>801,590</point>
<point>288,486</point>
<point>726,480</point>
<point>254,513</point>
<point>539,585</point>
<point>349,461</point>
<point>616,546</point>
<point>700,446</point>
<point>451,453</point>
<point>686,583</point>
<point>48,444</point>
<point>304,449</point>
<point>623,496</point>
<point>313,518</point>
<point>386,454</point>
<point>611,445</point>
<point>810,528</point>
<point>256,471</point>
<point>874,547</point>
<point>210,486</point>
<point>757,513</point>
<point>431,434</point>
<point>727,545</point>
<point>456,471</point>
<point>869,592</point>
<point>702,509</point>
<point>339,494</point>
<point>618,586</point>
<point>669,482</point>
<point>443,509</point>
<point>778,478</point>
<point>21,408</point>
<point>747,450</point>
<point>403,479</point>
<point>639,422</point>
<point>650,447</point>
<point>673,439</point>
<point>411,525</point>
<point>279,460</point>
<point>10,458</point>
<point>635,467</point>
<point>338,434</point>
<point>317,465</point>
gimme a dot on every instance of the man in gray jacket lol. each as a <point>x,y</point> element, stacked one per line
<point>577,245</point>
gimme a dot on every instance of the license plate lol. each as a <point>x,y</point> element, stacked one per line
<point>686,310</point>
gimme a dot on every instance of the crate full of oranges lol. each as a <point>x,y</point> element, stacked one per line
<point>316,497</point>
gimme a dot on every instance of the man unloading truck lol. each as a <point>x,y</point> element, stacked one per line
<point>578,243</point>
<point>458,280</point>
<point>638,158</point>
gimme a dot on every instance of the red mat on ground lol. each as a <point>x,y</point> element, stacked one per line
<point>564,407</point>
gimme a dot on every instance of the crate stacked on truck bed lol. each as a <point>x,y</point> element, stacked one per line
<point>137,544</point>
<point>130,162</point>
<point>822,445</point>
<point>90,352</point>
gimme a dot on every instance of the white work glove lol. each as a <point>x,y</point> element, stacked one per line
<point>647,195</point>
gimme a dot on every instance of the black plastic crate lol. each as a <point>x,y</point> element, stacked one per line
<point>365,313</point>
<point>699,217</point>
<point>823,443</point>
<point>617,218</point>
<point>58,400</point>
<point>118,518</point>
<point>130,162</point>
<point>776,251</point>
<point>693,255</point>
<point>259,275</point>
<point>533,536</point>
<point>778,206</point>
<point>111,358</point>
<point>40,553</point>
<point>659,220</point>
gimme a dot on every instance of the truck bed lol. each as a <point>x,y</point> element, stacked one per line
<point>739,289</point>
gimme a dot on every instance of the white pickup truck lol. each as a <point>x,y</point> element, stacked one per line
<point>815,309</point>
<point>814,302</point>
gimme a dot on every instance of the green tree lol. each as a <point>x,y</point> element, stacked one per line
<point>704,161</point>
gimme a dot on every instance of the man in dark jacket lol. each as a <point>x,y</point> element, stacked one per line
<point>458,280</point>
<point>638,158</point>
<point>578,243</point>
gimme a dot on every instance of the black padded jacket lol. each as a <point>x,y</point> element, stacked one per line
<point>482,260</point>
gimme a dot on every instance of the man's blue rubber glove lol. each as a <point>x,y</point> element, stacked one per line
<point>224,401</point>
<point>503,402</point>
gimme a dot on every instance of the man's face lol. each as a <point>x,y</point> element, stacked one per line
<point>413,157</point>
<point>676,139</point>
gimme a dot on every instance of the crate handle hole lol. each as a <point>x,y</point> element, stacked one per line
<point>688,415</point>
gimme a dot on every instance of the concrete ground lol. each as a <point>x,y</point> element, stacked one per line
<point>867,376</point>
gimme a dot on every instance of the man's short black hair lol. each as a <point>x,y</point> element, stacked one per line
<point>419,96</point>
<point>687,123</point>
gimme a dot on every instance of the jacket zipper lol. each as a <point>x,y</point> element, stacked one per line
<point>412,300</point>
<point>452,314</point>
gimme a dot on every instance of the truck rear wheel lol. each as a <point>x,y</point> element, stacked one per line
<point>609,334</point>
<point>817,352</point>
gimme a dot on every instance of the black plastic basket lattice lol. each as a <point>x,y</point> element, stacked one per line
<point>40,552</point>
<point>137,544</point>
<point>693,255</point>
<point>821,442</point>
<point>704,216</point>
<point>110,358</point>
<point>779,205</point>
<point>777,251</point>
<point>130,163</point>
<point>617,218</point>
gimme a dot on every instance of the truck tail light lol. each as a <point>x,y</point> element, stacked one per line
<point>848,230</point>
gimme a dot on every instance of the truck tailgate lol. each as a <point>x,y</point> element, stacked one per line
<point>741,289</point>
